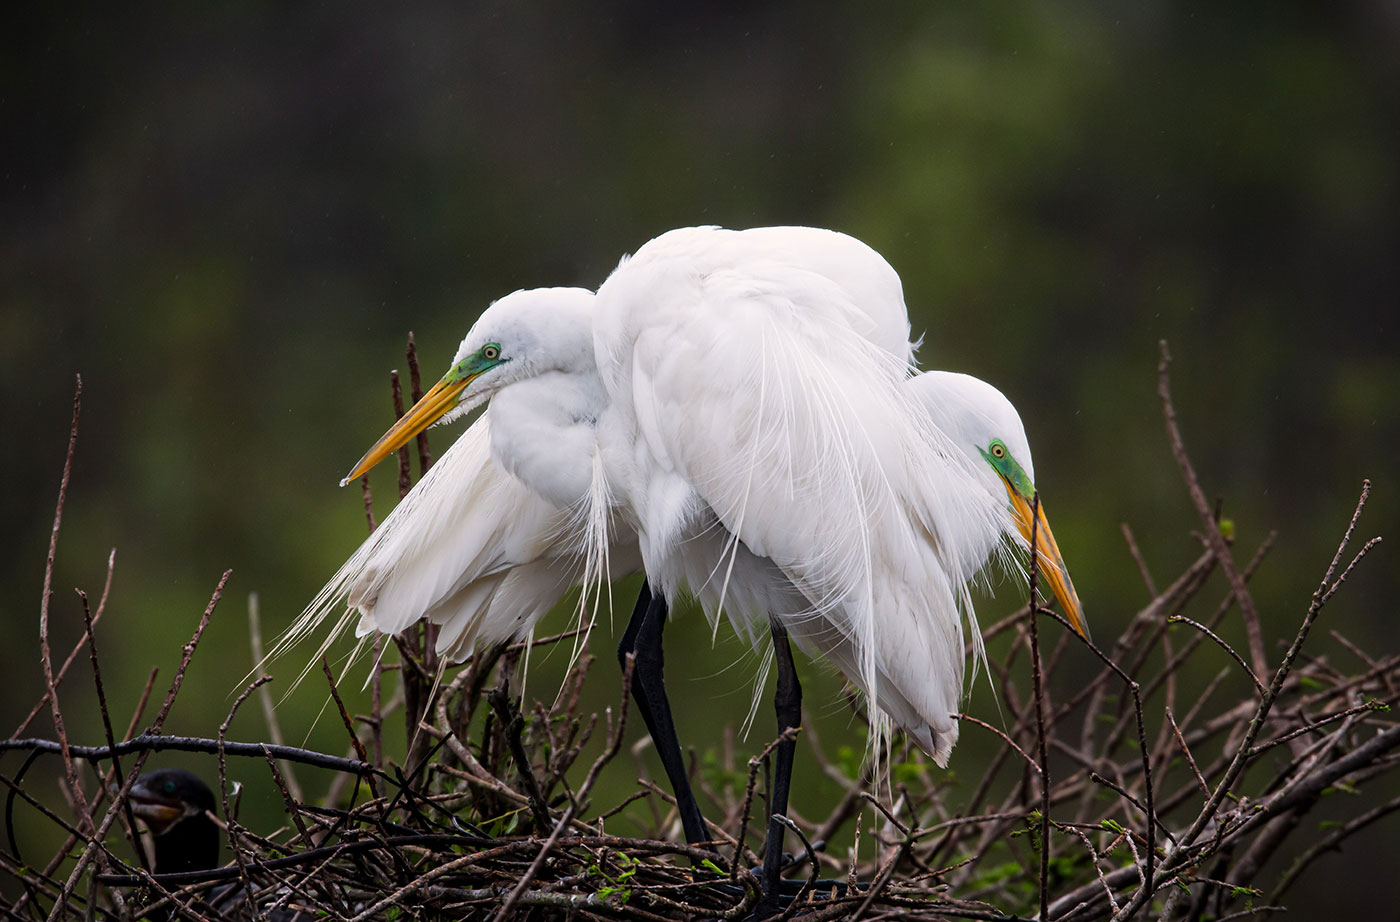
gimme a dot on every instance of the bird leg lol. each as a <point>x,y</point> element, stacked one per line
<point>642,639</point>
<point>787,702</point>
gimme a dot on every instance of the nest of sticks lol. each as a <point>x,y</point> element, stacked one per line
<point>1101,805</point>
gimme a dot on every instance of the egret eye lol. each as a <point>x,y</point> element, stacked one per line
<point>998,450</point>
<point>491,352</point>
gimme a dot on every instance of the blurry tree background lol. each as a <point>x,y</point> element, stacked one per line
<point>227,217</point>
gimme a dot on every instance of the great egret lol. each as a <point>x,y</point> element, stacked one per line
<point>736,404</point>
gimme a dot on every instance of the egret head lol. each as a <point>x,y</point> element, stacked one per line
<point>522,335</point>
<point>984,424</point>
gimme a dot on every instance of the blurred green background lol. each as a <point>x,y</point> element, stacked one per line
<point>227,217</point>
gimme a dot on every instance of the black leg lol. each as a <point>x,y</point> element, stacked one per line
<point>642,639</point>
<point>787,702</point>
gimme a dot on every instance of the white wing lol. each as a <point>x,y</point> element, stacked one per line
<point>874,304</point>
<point>507,605</point>
<point>757,397</point>
<point>470,548</point>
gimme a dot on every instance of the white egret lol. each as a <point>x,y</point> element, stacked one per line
<point>733,405</point>
<point>471,547</point>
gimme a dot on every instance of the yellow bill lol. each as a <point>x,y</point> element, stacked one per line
<point>423,414</point>
<point>1052,567</point>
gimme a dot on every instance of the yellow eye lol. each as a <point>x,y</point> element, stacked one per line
<point>998,450</point>
<point>491,353</point>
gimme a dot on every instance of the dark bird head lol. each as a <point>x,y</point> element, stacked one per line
<point>177,807</point>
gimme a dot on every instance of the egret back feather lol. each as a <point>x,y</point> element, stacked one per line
<point>750,392</point>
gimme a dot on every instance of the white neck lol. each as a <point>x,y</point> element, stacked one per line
<point>544,431</point>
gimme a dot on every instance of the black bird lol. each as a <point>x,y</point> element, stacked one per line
<point>179,810</point>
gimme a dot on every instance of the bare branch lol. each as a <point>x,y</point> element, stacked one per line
<point>1209,524</point>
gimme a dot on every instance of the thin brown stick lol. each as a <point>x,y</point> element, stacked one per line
<point>1331,842</point>
<point>140,702</point>
<point>534,868</point>
<point>62,673</point>
<point>289,801</point>
<point>1038,685</point>
<point>425,461</point>
<point>349,724</point>
<point>512,723</point>
<point>405,471</point>
<point>1138,559</point>
<point>187,654</point>
<point>269,709</point>
<point>1220,642</point>
<point>425,454</point>
<point>813,870</point>
<point>368,498</point>
<point>135,836</point>
<point>1209,523</point>
<point>1186,751</point>
<point>231,825</point>
<point>1372,705</point>
<point>615,741</point>
<point>1237,763</point>
<point>755,763</point>
<point>46,658</point>
<point>376,702</point>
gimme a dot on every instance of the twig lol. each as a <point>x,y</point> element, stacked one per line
<point>512,723</point>
<point>1038,685</point>
<point>154,742</point>
<point>1186,751</point>
<point>405,472</point>
<point>289,801</point>
<point>269,709</point>
<point>1006,739</point>
<point>1330,842</point>
<point>187,653</point>
<point>1149,807</point>
<point>615,743</point>
<point>1220,642</point>
<point>425,455</point>
<point>755,763</point>
<point>1138,559</point>
<point>1237,763</point>
<point>46,658</point>
<point>107,728</point>
<point>888,814</point>
<point>425,461</point>
<point>368,501</point>
<point>475,772</point>
<point>349,724</point>
<point>815,868</point>
<point>534,868</point>
<point>1098,868</point>
<point>1209,523</point>
<point>141,702</point>
<point>1371,705</point>
<point>231,826</point>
